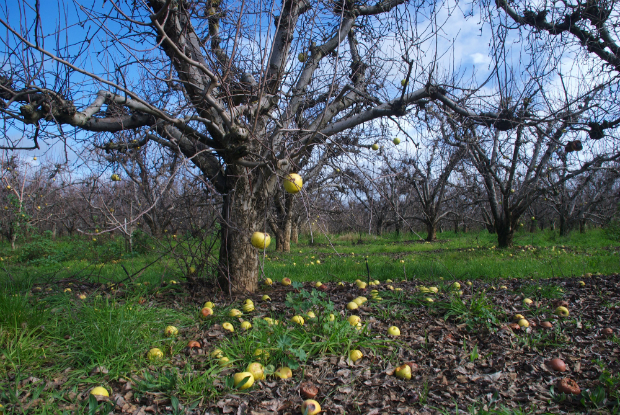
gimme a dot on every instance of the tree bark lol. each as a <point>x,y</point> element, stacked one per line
<point>295,233</point>
<point>582,226</point>
<point>563,226</point>
<point>238,262</point>
<point>505,234</point>
<point>431,231</point>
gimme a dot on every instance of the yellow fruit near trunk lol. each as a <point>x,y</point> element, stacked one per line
<point>261,240</point>
<point>293,183</point>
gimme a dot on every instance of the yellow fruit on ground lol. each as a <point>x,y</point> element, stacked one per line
<point>217,354</point>
<point>523,323</point>
<point>286,281</point>
<point>359,301</point>
<point>257,370</point>
<point>311,314</point>
<point>394,331</point>
<point>403,372</point>
<point>284,372</point>
<point>209,304</point>
<point>235,313</point>
<point>228,326</point>
<point>268,281</point>
<point>310,407</point>
<point>224,361</point>
<point>355,355</point>
<point>171,331</point>
<point>266,298</point>
<point>243,380</point>
<point>352,305</point>
<point>99,391</point>
<point>264,354</point>
<point>155,354</point>
<point>354,320</point>
<point>261,240</point>
<point>248,308</point>
<point>246,325</point>
<point>562,311</point>
<point>293,183</point>
<point>298,320</point>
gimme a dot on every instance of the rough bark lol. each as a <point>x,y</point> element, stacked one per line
<point>431,231</point>
<point>505,235</point>
<point>238,261</point>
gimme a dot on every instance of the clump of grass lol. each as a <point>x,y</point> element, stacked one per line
<point>115,335</point>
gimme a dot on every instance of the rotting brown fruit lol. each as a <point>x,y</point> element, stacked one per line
<point>193,343</point>
<point>557,364</point>
<point>567,385</point>
<point>607,332</point>
<point>307,390</point>
<point>546,324</point>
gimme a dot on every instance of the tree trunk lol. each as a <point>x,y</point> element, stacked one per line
<point>582,226</point>
<point>295,232</point>
<point>505,234</point>
<point>288,225</point>
<point>431,231</point>
<point>563,226</point>
<point>238,262</point>
<point>456,226</point>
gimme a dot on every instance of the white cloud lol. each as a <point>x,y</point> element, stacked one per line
<point>479,58</point>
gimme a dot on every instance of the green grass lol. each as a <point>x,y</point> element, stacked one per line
<point>452,257</point>
<point>46,332</point>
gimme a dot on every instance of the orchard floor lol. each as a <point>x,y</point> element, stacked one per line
<point>464,356</point>
<point>68,324</point>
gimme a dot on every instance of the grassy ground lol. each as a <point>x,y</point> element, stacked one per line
<point>340,257</point>
<point>460,256</point>
<point>56,346</point>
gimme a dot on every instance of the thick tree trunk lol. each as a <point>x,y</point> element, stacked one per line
<point>238,262</point>
<point>563,226</point>
<point>505,234</point>
<point>431,231</point>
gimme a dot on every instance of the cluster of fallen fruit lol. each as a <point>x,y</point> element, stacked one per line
<point>256,372</point>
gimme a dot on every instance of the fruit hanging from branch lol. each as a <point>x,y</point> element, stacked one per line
<point>261,240</point>
<point>396,140</point>
<point>115,178</point>
<point>293,183</point>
